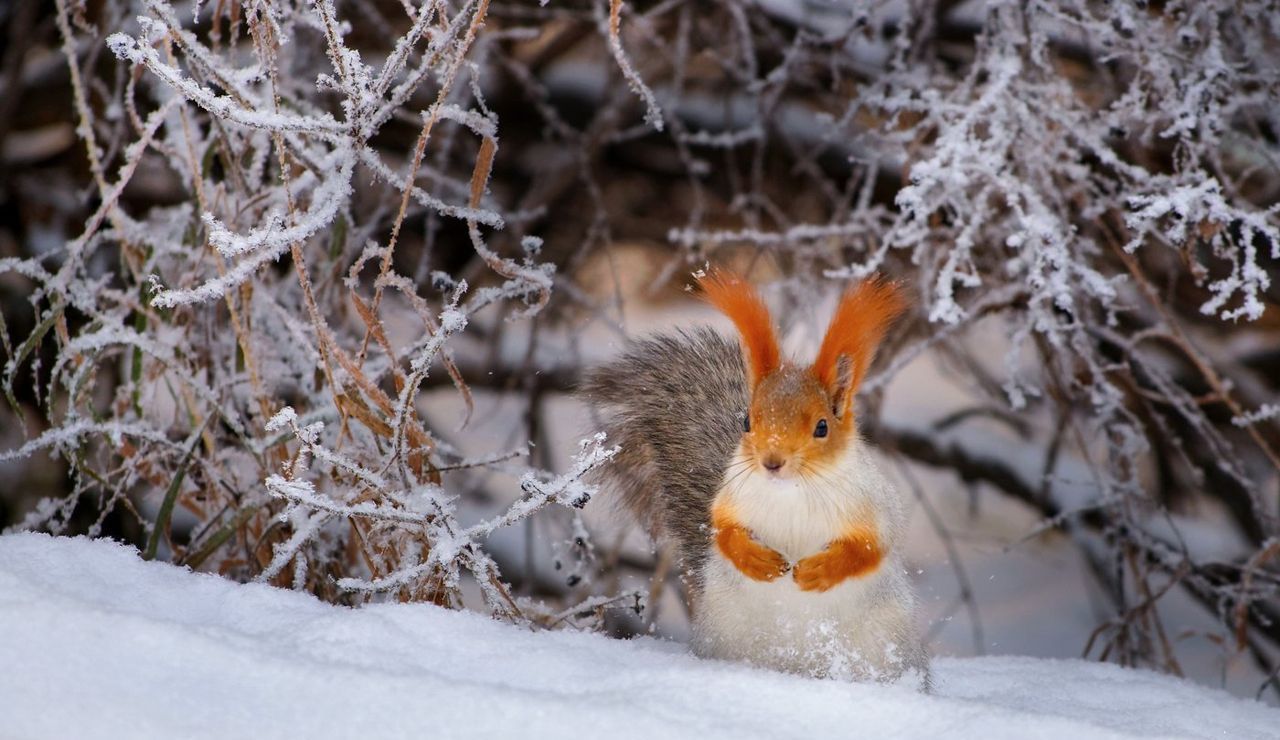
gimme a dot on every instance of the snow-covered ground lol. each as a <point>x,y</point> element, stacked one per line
<point>95,642</point>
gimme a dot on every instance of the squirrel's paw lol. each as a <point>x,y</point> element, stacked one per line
<point>846,558</point>
<point>763,564</point>
<point>818,572</point>
<point>752,559</point>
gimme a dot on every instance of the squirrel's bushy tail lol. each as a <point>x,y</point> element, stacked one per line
<point>674,403</point>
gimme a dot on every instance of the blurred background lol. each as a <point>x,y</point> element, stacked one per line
<point>416,223</point>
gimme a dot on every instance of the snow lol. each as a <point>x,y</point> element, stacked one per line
<point>98,643</point>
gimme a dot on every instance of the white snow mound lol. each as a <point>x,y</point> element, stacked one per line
<point>94,642</point>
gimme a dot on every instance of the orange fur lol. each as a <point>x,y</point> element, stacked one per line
<point>787,401</point>
<point>743,305</point>
<point>785,408</point>
<point>751,558</point>
<point>855,554</point>
<point>856,329</point>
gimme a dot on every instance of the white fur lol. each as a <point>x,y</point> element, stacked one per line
<point>862,628</point>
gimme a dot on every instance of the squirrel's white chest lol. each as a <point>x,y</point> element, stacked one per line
<point>789,515</point>
<point>861,628</point>
<point>799,516</point>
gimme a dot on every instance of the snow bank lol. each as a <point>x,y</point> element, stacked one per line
<point>96,643</point>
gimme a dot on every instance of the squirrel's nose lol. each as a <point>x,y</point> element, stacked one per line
<point>773,463</point>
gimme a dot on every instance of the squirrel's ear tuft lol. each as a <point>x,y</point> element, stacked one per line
<point>856,329</point>
<point>743,305</point>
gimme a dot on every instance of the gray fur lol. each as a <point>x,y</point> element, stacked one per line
<point>674,403</point>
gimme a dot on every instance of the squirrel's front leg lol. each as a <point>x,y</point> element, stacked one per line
<point>855,554</point>
<point>735,542</point>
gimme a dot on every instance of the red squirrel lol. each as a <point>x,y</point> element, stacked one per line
<point>752,467</point>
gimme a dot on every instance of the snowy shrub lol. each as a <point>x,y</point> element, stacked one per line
<point>265,284</point>
<point>363,199</point>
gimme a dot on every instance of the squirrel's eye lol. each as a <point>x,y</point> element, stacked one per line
<point>821,429</point>
<point>746,422</point>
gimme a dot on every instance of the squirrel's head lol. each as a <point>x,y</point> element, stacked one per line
<point>801,417</point>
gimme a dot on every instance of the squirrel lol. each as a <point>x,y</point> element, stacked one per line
<point>751,467</point>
